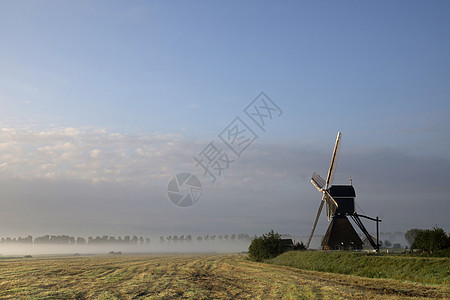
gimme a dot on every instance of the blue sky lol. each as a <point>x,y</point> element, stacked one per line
<point>378,72</point>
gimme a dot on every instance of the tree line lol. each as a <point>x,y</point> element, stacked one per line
<point>125,240</point>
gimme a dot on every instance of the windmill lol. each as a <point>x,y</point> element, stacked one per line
<point>340,201</point>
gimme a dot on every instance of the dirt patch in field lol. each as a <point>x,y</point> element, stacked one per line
<point>216,284</point>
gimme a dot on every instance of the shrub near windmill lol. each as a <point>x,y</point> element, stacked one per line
<point>340,200</point>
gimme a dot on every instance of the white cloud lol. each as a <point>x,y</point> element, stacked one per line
<point>70,131</point>
<point>93,154</point>
<point>269,184</point>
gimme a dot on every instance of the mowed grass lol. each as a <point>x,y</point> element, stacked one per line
<point>419,269</point>
<point>189,277</point>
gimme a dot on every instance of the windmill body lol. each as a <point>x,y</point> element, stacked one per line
<point>340,234</point>
<point>340,204</point>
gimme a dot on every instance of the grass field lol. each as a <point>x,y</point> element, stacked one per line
<point>189,277</point>
<point>434,270</point>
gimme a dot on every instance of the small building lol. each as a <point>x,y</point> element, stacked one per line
<point>287,244</point>
<point>366,243</point>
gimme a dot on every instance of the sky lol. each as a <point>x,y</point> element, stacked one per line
<point>103,102</point>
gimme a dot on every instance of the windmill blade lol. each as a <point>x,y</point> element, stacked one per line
<point>336,159</point>
<point>327,197</point>
<point>330,211</point>
<point>333,163</point>
<point>331,204</point>
<point>317,181</point>
<point>315,223</point>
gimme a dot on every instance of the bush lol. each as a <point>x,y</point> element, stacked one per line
<point>300,247</point>
<point>410,235</point>
<point>431,240</point>
<point>266,246</point>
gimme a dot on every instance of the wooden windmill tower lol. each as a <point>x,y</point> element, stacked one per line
<point>340,200</point>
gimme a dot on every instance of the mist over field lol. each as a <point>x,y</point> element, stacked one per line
<point>155,247</point>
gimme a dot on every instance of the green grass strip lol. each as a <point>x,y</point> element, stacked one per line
<point>418,269</point>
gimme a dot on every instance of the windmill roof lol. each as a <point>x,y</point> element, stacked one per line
<point>342,191</point>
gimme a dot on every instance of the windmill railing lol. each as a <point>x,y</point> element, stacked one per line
<point>361,226</point>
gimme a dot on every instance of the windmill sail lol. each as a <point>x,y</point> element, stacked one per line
<point>333,163</point>
<point>331,204</point>
<point>315,223</point>
<point>323,185</point>
<point>317,181</point>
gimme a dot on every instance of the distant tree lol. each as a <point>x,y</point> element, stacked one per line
<point>80,241</point>
<point>266,246</point>
<point>387,243</point>
<point>410,235</point>
<point>161,239</point>
<point>226,236</point>
<point>189,238</point>
<point>40,239</point>
<point>169,238</point>
<point>243,237</point>
<point>199,238</point>
<point>206,238</point>
<point>25,240</point>
<point>175,238</point>
<point>220,237</point>
<point>147,240</point>
<point>233,237</point>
